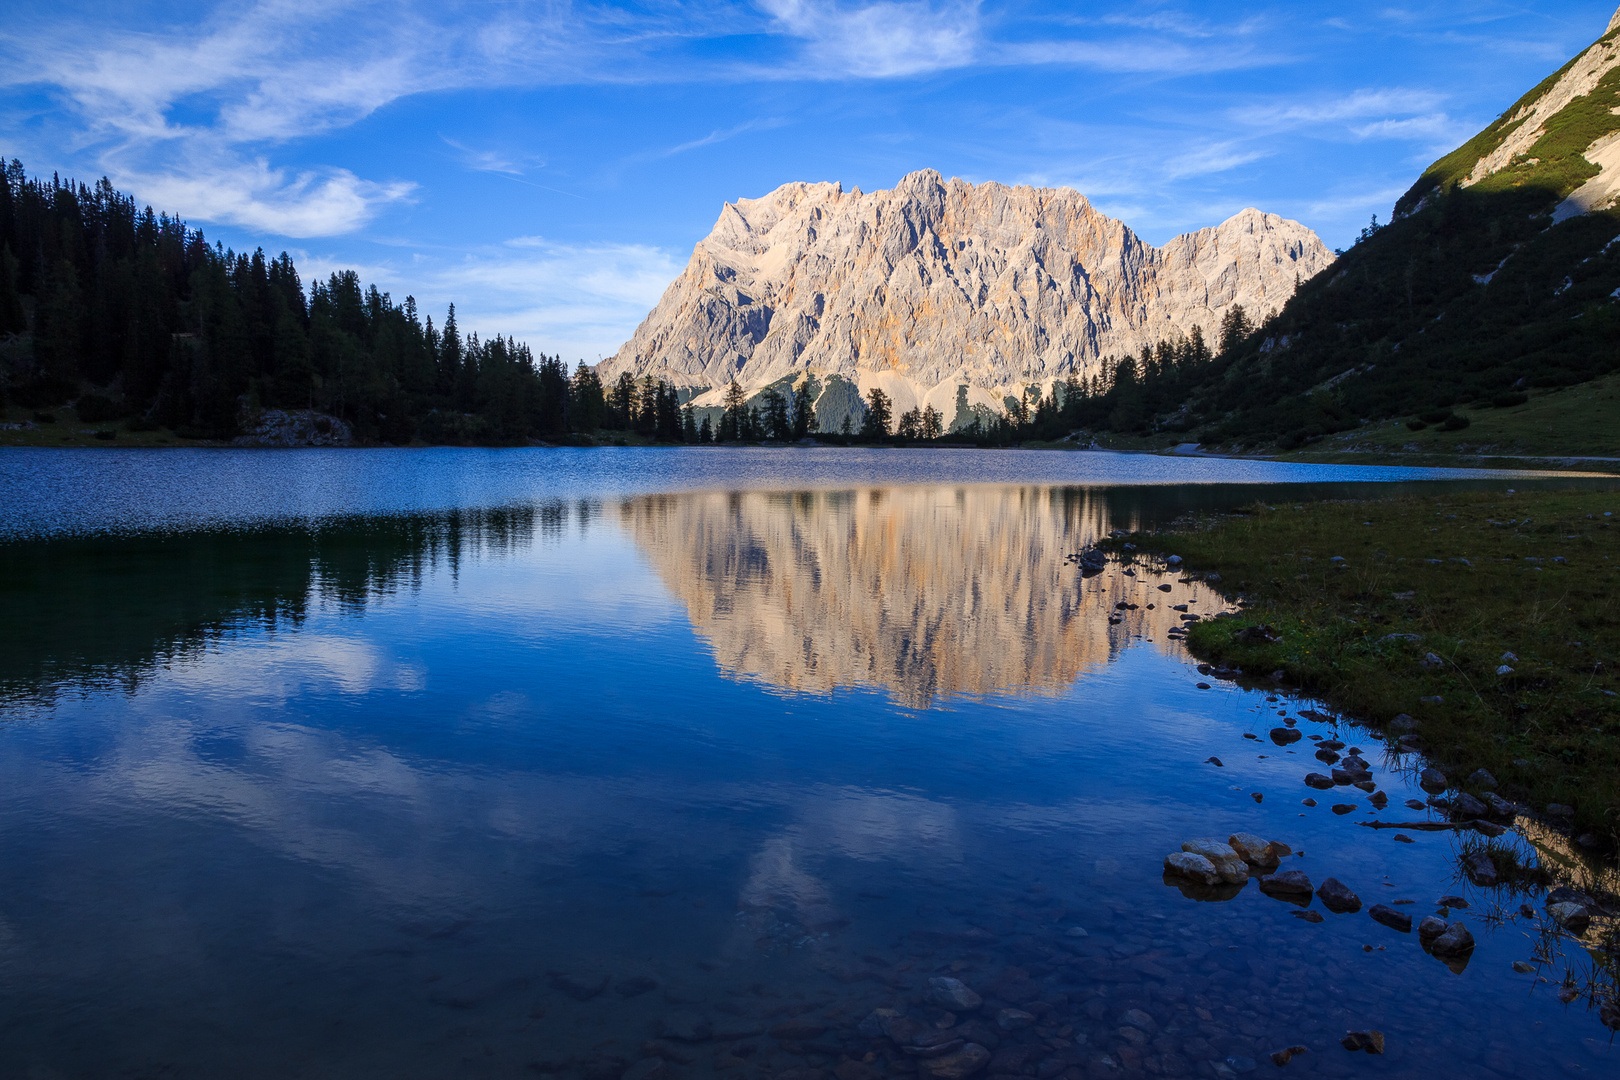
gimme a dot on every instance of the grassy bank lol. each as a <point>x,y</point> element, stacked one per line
<point>1492,619</point>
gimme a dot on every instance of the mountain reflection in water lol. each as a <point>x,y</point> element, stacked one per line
<point>923,591</point>
<point>920,591</point>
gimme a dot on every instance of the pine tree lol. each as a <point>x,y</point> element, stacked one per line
<point>623,403</point>
<point>1235,326</point>
<point>933,423</point>
<point>910,425</point>
<point>450,355</point>
<point>12,318</point>
<point>804,408</point>
<point>878,413</point>
<point>589,403</point>
<point>776,421</point>
<point>734,424</point>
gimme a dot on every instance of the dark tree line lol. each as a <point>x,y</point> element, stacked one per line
<point>129,313</point>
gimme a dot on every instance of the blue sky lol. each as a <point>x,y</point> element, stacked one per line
<point>548,165</point>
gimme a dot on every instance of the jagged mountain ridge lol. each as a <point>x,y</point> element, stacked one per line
<point>940,283</point>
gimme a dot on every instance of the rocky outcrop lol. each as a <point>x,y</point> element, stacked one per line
<point>938,284</point>
<point>295,427</point>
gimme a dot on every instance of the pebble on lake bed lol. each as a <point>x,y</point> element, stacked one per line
<point>953,994</point>
<point>1454,943</point>
<point>1395,920</point>
<point>1291,885</point>
<point>1370,1041</point>
<point>1280,1058</point>
<point>1337,897</point>
<point>955,1066</point>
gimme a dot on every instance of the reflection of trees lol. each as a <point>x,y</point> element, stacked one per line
<point>108,608</point>
<point>922,591</point>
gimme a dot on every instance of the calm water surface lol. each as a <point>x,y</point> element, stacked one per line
<point>549,763</point>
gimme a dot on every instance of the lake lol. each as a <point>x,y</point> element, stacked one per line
<point>586,764</point>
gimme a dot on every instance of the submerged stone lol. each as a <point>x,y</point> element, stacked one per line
<point>1337,897</point>
<point>1370,1041</point>
<point>953,994</point>
<point>1290,884</point>
<point>955,1066</point>
<point>1395,920</point>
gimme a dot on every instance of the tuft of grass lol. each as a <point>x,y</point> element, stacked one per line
<point>1414,617</point>
<point>1514,870</point>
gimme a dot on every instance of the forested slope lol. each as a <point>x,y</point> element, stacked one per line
<point>1491,282</point>
<point>132,315</point>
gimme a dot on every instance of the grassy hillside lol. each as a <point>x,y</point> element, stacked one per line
<point>1554,163</point>
<point>1473,297</point>
<point>1576,420</point>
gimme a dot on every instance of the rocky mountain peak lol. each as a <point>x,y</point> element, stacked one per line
<point>936,284</point>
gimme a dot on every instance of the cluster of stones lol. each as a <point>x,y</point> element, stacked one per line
<point>1212,862</point>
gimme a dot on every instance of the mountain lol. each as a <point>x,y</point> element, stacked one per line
<point>937,284</point>
<point>1498,277</point>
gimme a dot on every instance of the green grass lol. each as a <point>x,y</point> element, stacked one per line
<point>1570,421</point>
<point>1549,730</point>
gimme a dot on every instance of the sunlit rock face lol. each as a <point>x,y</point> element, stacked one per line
<point>922,592</point>
<point>937,284</point>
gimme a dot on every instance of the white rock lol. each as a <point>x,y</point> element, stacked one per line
<point>1227,862</point>
<point>1196,867</point>
<point>1256,850</point>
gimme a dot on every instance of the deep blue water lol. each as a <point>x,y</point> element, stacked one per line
<point>525,763</point>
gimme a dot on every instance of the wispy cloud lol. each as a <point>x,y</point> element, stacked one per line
<point>492,161</point>
<point>1214,158</point>
<point>1360,104</point>
<point>880,40</point>
<point>720,136</point>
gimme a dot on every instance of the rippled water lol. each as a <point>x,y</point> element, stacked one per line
<point>548,763</point>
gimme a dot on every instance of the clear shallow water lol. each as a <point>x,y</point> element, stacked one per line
<point>522,786</point>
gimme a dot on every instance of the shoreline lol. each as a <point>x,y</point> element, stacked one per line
<point>1428,627</point>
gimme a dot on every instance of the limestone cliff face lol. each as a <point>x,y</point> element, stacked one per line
<point>920,592</point>
<point>939,283</point>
